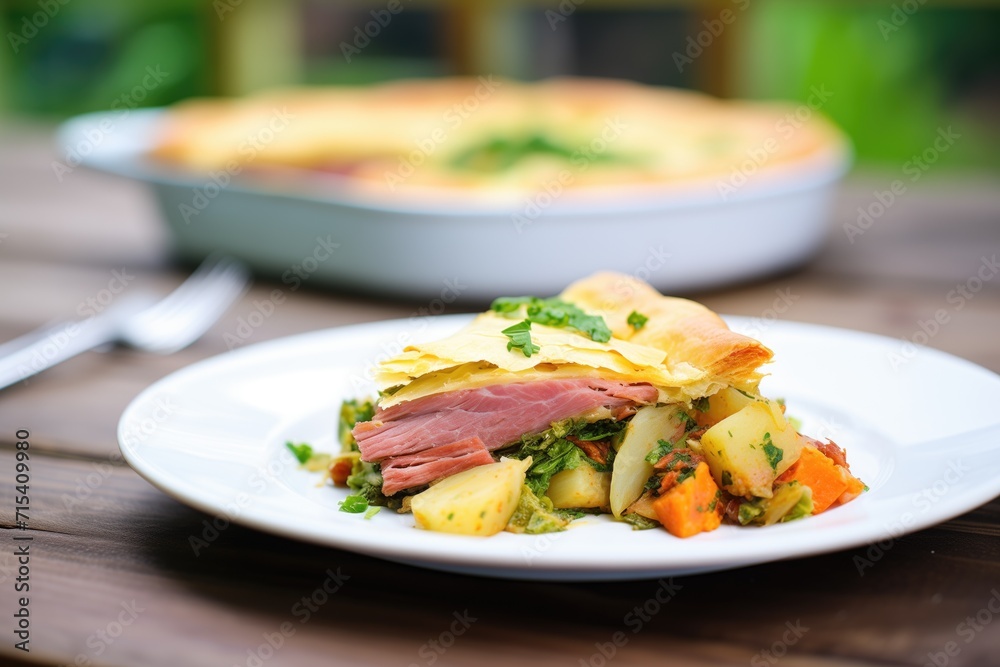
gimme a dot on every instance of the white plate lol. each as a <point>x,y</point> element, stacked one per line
<point>924,435</point>
<point>447,246</point>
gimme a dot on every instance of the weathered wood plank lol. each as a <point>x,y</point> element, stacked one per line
<point>126,541</point>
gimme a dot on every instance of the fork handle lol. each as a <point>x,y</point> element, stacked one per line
<point>55,346</point>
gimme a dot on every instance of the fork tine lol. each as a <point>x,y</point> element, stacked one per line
<point>191,309</point>
<point>206,272</point>
<point>212,300</point>
<point>174,323</point>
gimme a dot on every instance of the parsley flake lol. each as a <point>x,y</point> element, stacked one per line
<point>684,474</point>
<point>354,504</point>
<point>554,312</point>
<point>773,452</point>
<point>715,500</point>
<point>520,338</point>
<point>689,423</point>
<point>662,448</point>
<point>637,320</point>
<point>302,452</point>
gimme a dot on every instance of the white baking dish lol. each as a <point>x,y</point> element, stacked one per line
<point>314,228</point>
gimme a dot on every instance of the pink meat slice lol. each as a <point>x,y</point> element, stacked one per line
<point>498,415</point>
<point>409,470</point>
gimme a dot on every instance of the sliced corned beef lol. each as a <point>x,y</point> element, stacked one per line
<point>498,415</point>
<point>423,467</point>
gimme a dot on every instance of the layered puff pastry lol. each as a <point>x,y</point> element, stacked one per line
<point>495,136</point>
<point>683,349</point>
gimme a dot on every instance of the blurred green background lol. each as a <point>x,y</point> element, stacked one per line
<point>897,71</point>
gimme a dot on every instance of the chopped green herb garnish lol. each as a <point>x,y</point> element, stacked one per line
<point>727,478</point>
<point>599,430</point>
<point>312,461</point>
<point>689,423</point>
<point>685,473</point>
<point>498,154</point>
<point>551,452</point>
<point>700,404</point>
<point>773,452</point>
<point>554,312</point>
<point>501,153</point>
<point>520,338</point>
<point>451,515</point>
<point>372,511</point>
<point>303,451</point>
<point>637,320</point>
<point>662,449</point>
<point>509,304</point>
<point>715,501</point>
<point>654,482</point>
<point>354,504</point>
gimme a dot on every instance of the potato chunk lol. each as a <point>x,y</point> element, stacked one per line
<point>727,402</point>
<point>631,469</point>
<point>479,501</point>
<point>580,487</point>
<point>747,450</point>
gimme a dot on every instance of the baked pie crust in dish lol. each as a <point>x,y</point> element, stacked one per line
<point>497,138</point>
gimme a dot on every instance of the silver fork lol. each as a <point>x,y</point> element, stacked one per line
<point>164,327</point>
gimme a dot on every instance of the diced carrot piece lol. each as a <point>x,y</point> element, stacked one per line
<point>340,470</point>
<point>817,471</point>
<point>691,507</point>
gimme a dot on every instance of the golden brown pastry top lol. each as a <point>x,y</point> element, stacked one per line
<point>684,329</point>
<point>492,136</point>
<point>684,349</point>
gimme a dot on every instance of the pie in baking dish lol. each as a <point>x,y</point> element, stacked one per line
<point>497,137</point>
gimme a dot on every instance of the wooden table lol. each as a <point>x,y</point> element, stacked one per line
<point>114,581</point>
